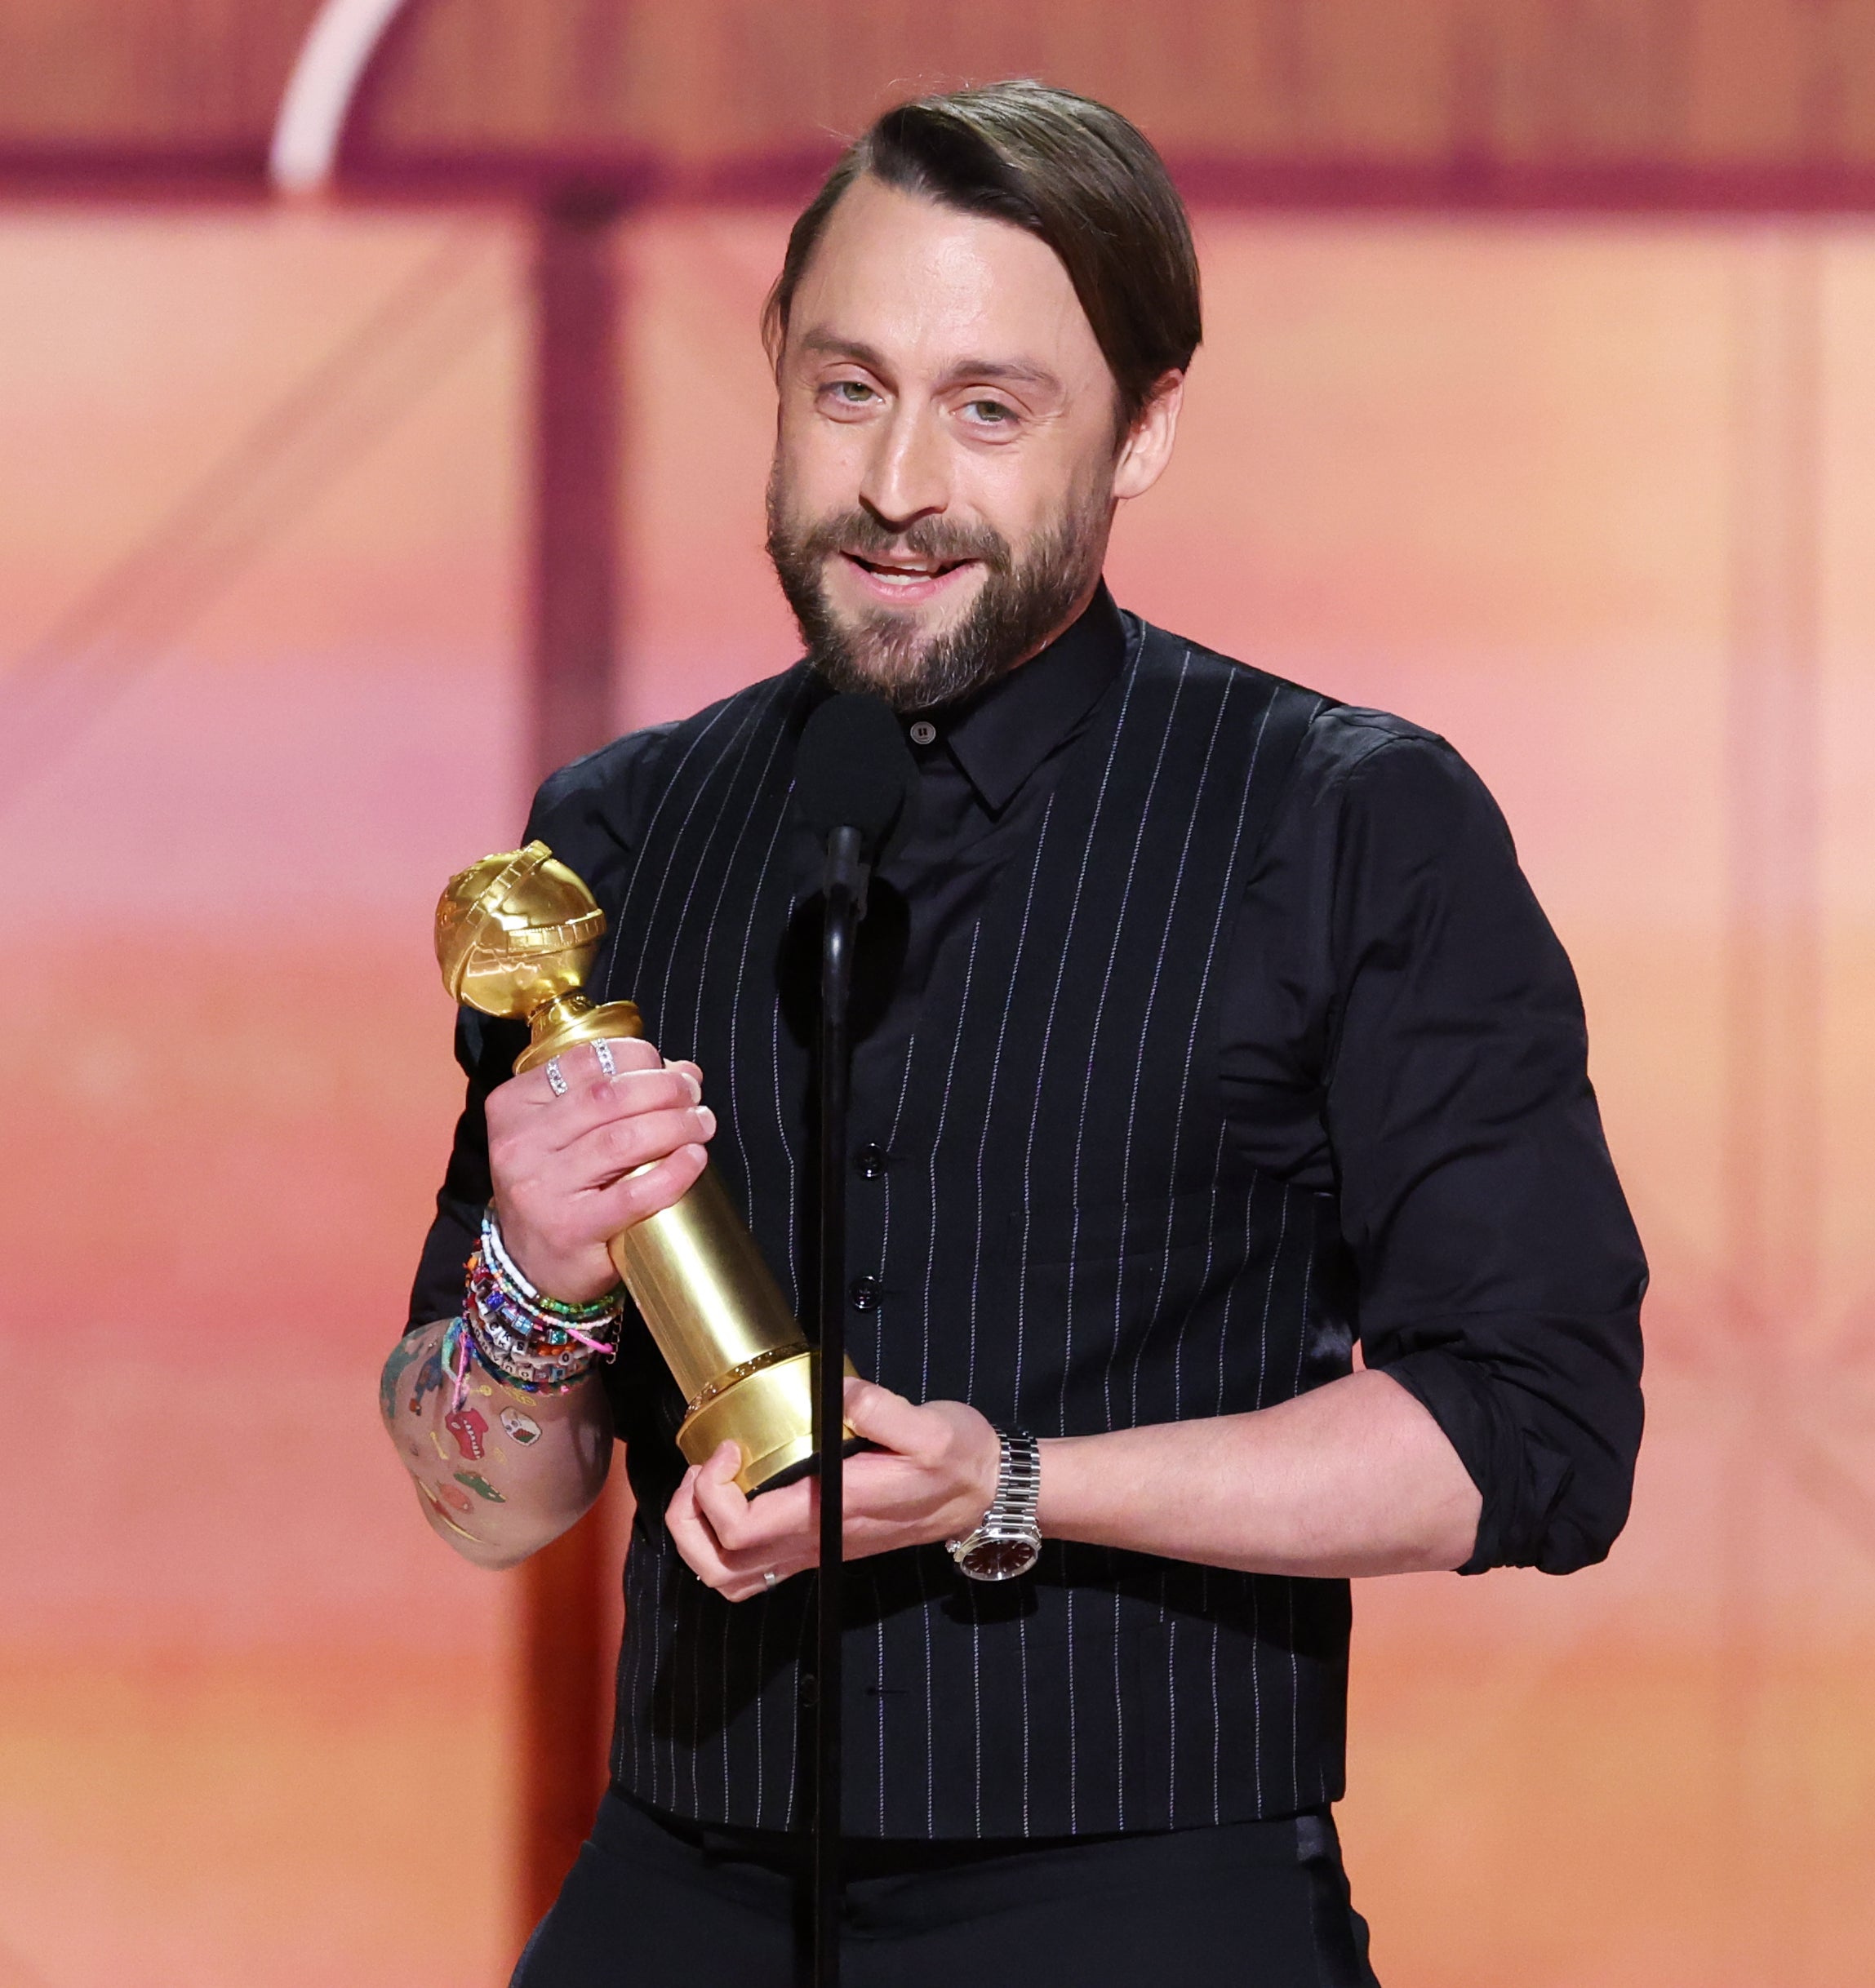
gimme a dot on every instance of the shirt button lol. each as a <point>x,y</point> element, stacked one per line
<point>924,732</point>
<point>869,1162</point>
<point>864,1293</point>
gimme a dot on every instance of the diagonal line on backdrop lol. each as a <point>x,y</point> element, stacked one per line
<point>1826,1482</point>
<point>127,619</point>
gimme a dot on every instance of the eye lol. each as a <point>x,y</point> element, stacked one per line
<point>993,413</point>
<point>851,393</point>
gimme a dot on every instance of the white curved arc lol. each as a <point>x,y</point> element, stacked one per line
<point>332,60</point>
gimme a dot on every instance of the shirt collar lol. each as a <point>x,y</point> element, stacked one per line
<point>1004,734</point>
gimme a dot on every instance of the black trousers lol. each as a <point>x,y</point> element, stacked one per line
<point>657,1902</point>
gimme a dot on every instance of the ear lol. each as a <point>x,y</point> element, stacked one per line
<point>1148,447</point>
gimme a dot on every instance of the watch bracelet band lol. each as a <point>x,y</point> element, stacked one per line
<point>1011,1513</point>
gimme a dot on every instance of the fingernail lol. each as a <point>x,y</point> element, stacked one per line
<point>707,1119</point>
<point>696,1088</point>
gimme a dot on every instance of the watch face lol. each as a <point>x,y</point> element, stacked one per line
<point>999,1559</point>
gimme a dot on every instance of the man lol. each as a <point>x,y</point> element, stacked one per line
<point>1209,1028</point>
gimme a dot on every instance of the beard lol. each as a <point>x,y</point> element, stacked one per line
<point>884,652</point>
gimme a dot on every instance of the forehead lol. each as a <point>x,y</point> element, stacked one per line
<point>925,283</point>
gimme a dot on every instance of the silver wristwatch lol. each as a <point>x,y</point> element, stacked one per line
<point>1008,1541</point>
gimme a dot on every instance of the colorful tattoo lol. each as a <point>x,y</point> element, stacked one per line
<point>524,1429</point>
<point>468,1427</point>
<point>402,1356</point>
<point>480,1486</point>
<point>429,1380</point>
<point>433,1497</point>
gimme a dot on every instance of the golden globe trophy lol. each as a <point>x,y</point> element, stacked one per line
<point>515,936</point>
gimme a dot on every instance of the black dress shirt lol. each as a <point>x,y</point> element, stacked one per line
<point>1392,1050</point>
<point>1399,1026</point>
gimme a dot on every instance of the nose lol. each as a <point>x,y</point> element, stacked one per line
<point>907,474</point>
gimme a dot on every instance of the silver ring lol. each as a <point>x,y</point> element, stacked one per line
<point>603,1050</point>
<point>768,1576</point>
<point>554,1077</point>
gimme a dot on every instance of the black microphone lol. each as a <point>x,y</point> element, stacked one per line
<point>856,784</point>
<point>853,769</point>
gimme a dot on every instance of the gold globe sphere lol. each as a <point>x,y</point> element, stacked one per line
<point>516,931</point>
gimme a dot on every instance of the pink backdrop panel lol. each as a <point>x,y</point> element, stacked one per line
<point>1590,499</point>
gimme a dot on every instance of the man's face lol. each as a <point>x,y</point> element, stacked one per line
<point>944,460</point>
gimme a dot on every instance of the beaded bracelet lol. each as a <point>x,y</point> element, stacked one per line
<point>507,1321</point>
<point>516,1371</point>
<point>535,1343</point>
<point>515,1284</point>
<point>516,1368</point>
<point>512,1342</point>
<point>459,1342</point>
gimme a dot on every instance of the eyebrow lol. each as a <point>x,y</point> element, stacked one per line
<point>1014,372</point>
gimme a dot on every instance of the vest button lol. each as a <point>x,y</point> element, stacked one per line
<point>869,1162</point>
<point>864,1293</point>
<point>924,733</point>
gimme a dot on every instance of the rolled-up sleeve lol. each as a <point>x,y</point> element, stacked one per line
<point>1499,1274</point>
<point>1419,1019</point>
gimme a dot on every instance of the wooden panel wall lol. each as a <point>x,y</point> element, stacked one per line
<point>1625,101</point>
<point>144,75</point>
<point>1697,83</point>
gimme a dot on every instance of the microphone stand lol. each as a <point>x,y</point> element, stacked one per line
<point>845,883</point>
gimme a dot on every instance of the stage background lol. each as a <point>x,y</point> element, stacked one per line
<point>1593,498</point>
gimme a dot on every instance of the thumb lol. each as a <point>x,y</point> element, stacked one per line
<point>886,1418</point>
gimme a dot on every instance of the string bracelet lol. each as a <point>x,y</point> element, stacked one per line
<point>514,1281</point>
<point>517,1355</point>
<point>508,1319</point>
<point>453,1351</point>
<point>539,1344</point>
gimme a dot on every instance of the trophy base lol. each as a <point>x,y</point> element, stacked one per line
<point>768,1415</point>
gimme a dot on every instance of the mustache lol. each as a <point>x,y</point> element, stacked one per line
<point>944,540</point>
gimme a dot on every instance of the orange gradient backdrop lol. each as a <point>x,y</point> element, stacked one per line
<point>1593,499</point>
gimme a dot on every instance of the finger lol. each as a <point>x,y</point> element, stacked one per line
<point>622,1204</point>
<point>693,1538</point>
<point>735,1577</point>
<point>581,1064</point>
<point>745,1587</point>
<point>604,1152</point>
<point>765,1529</point>
<point>579,1068</point>
<point>601,1100</point>
<point>888,1419</point>
<point>525,1110</point>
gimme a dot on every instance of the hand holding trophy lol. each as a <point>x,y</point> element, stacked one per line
<point>515,936</point>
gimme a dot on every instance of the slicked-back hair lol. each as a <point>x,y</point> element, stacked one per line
<point>1072,173</point>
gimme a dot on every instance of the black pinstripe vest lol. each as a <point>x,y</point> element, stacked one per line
<point>1054,1240</point>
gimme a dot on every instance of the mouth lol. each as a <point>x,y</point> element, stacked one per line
<point>908,579</point>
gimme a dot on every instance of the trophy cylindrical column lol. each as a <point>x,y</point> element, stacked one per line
<point>726,1332</point>
<point>705,1291</point>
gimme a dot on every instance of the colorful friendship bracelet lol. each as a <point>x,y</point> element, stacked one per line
<point>517,1359</point>
<point>495,1251</point>
<point>508,1363</point>
<point>534,1343</point>
<point>507,1318</point>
